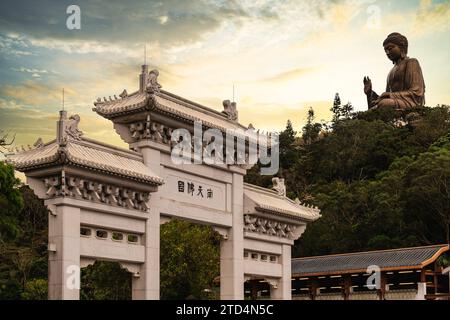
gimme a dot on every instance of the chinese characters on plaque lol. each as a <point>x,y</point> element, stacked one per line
<point>194,190</point>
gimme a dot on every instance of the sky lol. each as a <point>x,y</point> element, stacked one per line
<point>281,56</point>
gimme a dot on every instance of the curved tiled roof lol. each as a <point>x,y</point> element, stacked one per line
<point>166,103</point>
<point>132,102</point>
<point>266,200</point>
<point>90,154</point>
<point>35,157</point>
<point>413,258</point>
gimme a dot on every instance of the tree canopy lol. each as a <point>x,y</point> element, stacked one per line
<point>189,261</point>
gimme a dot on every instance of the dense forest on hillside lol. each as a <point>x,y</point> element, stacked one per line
<point>381,179</point>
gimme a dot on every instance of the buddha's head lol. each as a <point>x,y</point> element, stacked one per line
<point>396,46</point>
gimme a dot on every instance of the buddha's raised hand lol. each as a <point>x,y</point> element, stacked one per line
<point>367,85</point>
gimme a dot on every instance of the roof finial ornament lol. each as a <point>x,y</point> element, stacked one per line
<point>61,135</point>
<point>124,94</point>
<point>233,92</point>
<point>153,85</point>
<point>72,127</point>
<point>229,109</point>
<point>39,143</point>
<point>279,186</point>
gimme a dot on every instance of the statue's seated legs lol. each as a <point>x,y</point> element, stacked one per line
<point>392,103</point>
<point>386,103</point>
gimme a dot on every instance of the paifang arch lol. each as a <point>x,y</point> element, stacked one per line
<point>107,203</point>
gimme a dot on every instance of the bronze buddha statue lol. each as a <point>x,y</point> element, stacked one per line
<point>405,85</point>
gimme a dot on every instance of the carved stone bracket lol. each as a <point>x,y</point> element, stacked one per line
<point>269,227</point>
<point>75,187</point>
<point>150,130</point>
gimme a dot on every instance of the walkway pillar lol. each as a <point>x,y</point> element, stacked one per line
<point>64,253</point>
<point>232,249</point>
<point>146,286</point>
<point>283,289</point>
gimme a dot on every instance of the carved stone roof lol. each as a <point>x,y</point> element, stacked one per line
<point>393,259</point>
<point>89,154</point>
<point>265,200</point>
<point>166,103</point>
<point>133,102</point>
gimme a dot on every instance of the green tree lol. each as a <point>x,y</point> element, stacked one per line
<point>286,140</point>
<point>355,150</point>
<point>310,132</point>
<point>189,260</point>
<point>23,245</point>
<point>36,289</point>
<point>340,112</point>
<point>427,192</point>
<point>379,181</point>
<point>347,110</point>
<point>11,203</point>
<point>105,280</point>
<point>336,109</point>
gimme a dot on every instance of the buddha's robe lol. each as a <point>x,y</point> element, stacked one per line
<point>405,84</point>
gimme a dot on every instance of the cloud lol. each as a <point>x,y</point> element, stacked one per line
<point>29,123</point>
<point>34,94</point>
<point>35,72</point>
<point>13,45</point>
<point>118,21</point>
<point>431,17</point>
<point>290,74</point>
<point>273,117</point>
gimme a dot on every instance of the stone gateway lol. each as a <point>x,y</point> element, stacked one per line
<point>107,203</point>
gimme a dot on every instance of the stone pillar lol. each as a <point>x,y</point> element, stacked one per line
<point>232,250</point>
<point>283,289</point>
<point>146,286</point>
<point>64,253</point>
<point>421,291</point>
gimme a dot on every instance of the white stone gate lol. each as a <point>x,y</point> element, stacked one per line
<point>107,203</point>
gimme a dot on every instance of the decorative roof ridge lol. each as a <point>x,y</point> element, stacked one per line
<point>274,193</point>
<point>114,170</point>
<point>266,190</point>
<point>123,96</point>
<point>314,212</point>
<point>437,246</point>
<point>196,106</point>
<point>49,143</point>
<point>287,213</point>
<point>34,162</point>
<point>190,103</point>
<point>103,146</point>
<point>37,145</point>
